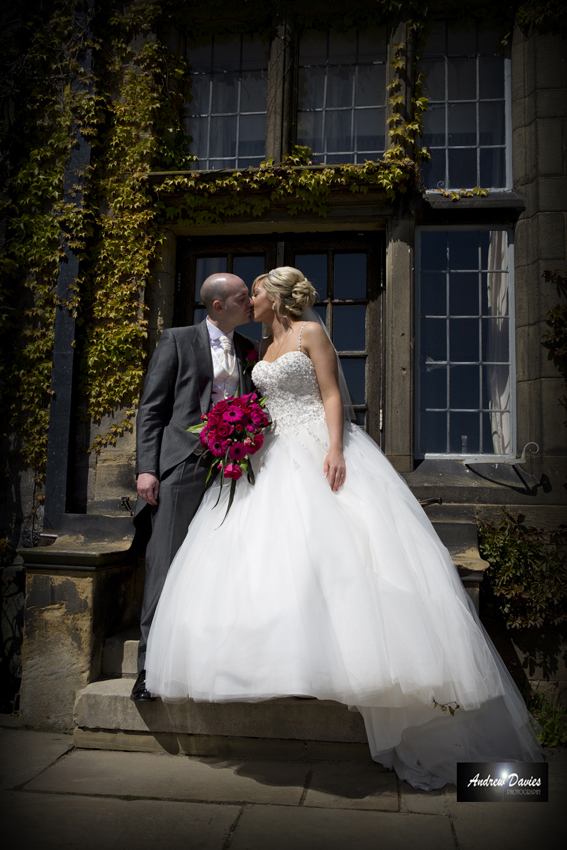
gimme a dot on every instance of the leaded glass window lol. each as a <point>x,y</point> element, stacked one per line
<point>342,95</point>
<point>466,124</point>
<point>227,120</point>
<point>465,343</point>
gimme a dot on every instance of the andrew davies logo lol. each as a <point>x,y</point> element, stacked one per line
<point>502,782</point>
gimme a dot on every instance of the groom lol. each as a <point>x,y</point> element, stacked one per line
<point>192,368</point>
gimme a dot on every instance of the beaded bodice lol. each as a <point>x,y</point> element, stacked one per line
<point>294,399</point>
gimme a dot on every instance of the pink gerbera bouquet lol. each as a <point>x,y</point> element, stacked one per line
<point>230,434</point>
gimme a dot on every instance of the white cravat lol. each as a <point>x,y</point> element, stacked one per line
<point>227,358</point>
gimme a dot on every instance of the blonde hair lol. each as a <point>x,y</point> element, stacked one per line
<point>289,290</point>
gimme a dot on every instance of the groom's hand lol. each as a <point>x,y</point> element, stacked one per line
<point>148,487</point>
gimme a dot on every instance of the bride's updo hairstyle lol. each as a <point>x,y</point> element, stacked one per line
<point>289,289</point>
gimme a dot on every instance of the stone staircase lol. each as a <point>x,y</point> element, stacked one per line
<point>106,718</point>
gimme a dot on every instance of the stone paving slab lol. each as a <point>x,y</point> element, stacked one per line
<point>25,754</point>
<point>426,802</point>
<point>282,828</point>
<point>69,822</point>
<point>351,785</point>
<point>174,777</point>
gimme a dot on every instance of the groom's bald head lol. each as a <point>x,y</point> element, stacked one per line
<point>227,300</point>
<point>219,287</point>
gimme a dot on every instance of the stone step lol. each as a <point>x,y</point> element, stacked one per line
<point>106,718</point>
<point>120,655</point>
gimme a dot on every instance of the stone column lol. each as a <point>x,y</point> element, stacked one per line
<point>539,119</point>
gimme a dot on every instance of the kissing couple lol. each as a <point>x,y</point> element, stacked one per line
<point>325,579</point>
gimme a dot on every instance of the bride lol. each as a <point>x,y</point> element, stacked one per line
<point>327,580</point>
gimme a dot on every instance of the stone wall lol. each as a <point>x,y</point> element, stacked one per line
<point>539,120</point>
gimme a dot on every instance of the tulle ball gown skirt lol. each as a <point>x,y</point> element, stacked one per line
<point>347,596</point>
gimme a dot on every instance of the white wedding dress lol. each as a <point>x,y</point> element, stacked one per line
<point>346,596</point>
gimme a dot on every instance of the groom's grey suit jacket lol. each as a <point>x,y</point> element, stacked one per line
<point>177,391</point>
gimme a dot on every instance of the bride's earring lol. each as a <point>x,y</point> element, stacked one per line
<point>273,306</point>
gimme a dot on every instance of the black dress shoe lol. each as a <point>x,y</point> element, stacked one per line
<point>139,692</point>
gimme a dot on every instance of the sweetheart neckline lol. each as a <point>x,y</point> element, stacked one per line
<point>271,362</point>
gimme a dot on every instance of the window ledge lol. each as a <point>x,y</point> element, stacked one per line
<point>433,207</point>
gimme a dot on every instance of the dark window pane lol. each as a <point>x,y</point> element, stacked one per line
<point>314,267</point>
<point>249,268</point>
<point>491,120</point>
<point>222,163</point>
<point>310,130</point>
<point>254,54</point>
<point>350,275</point>
<point>495,294</point>
<point>204,267</point>
<point>464,433</point>
<point>463,340</point>
<point>462,169</point>
<point>339,157</point>
<point>491,74</point>
<point>433,172</point>
<point>313,48</point>
<point>226,53</point>
<point>496,433</point>
<point>198,129</point>
<point>253,89</point>
<point>433,386</point>
<point>225,93</point>
<point>200,56</point>
<point>200,90</point>
<point>223,137</point>
<point>462,124</point>
<point>434,126</point>
<point>369,130</point>
<point>461,42</point>
<point>342,47</point>
<point>372,44</point>
<point>463,249</point>
<point>495,340</point>
<point>464,384</point>
<point>199,315</point>
<point>311,88</point>
<point>496,387</point>
<point>434,250</point>
<point>370,85</point>
<point>463,294</point>
<point>322,312</point>
<point>489,42</point>
<point>355,374</point>
<point>433,340</point>
<point>436,40</point>
<point>340,85</point>
<point>252,135</point>
<point>434,84</point>
<point>338,131</point>
<point>349,328</point>
<point>461,76</point>
<point>433,433</point>
<point>492,168</point>
<point>433,295</point>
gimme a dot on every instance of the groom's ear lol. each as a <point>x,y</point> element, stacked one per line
<point>218,306</point>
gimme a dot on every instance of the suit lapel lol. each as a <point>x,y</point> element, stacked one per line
<point>204,359</point>
<point>242,347</point>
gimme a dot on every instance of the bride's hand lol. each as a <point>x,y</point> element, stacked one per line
<point>335,469</point>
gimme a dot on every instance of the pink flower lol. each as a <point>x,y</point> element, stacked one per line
<point>223,429</point>
<point>221,406</point>
<point>203,437</point>
<point>217,446</point>
<point>259,418</point>
<point>237,451</point>
<point>232,470</point>
<point>233,414</point>
<point>252,355</point>
<point>257,441</point>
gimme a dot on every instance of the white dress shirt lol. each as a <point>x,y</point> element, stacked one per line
<point>224,384</point>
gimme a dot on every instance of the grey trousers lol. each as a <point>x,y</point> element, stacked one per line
<point>180,494</point>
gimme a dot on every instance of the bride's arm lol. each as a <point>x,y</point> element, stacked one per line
<point>324,358</point>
